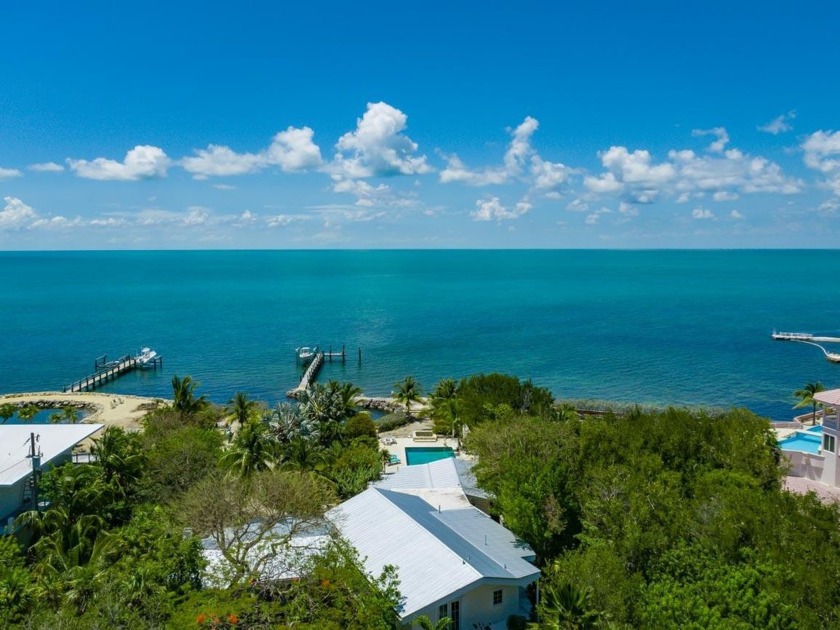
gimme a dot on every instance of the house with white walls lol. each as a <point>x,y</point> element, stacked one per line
<point>452,559</point>
<point>52,445</point>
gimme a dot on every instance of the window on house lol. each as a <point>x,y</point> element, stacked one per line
<point>497,597</point>
<point>443,611</point>
<point>455,615</point>
<point>828,443</point>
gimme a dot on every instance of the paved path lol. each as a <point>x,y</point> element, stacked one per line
<point>801,485</point>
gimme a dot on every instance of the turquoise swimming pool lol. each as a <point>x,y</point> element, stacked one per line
<point>425,454</point>
<point>804,441</point>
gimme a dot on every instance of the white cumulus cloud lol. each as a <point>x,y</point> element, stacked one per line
<point>283,220</point>
<point>16,214</point>
<point>702,213</point>
<point>822,153</point>
<point>141,162</point>
<point>723,195</point>
<point>216,160</point>
<point>520,162</point>
<point>46,167</point>
<point>493,210</point>
<point>721,138</point>
<point>293,150</point>
<point>779,124</point>
<point>8,173</point>
<point>377,147</point>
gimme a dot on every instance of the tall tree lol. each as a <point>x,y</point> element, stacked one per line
<point>406,392</point>
<point>7,410</point>
<point>183,395</point>
<point>242,408</point>
<point>119,454</point>
<point>254,523</point>
<point>806,397</point>
<point>27,412</point>
<point>67,415</point>
<point>254,449</point>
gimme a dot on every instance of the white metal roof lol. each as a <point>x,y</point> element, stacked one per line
<point>438,474</point>
<point>829,397</point>
<point>438,553</point>
<point>51,439</point>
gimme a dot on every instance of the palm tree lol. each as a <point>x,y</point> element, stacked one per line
<point>67,415</point>
<point>427,624</point>
<point>242,408</point>
<point>567,607</point>
<point>7,410</point>
<point>806,396</point>
<point>407,391</point>
<point>121,458</point>
<point>183,395</point>
<point>348,393</point>
<point>253,450</point>
<point>28,412</point>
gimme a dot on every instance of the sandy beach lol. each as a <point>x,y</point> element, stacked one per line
<point>119,410</point>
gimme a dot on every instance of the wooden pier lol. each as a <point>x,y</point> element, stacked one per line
<point>308,377</point>
<point>316,363</point>
<point>106,371</point>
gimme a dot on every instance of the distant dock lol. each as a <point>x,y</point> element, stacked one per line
<point>105,371</point>
<point>317,358</point>
<point>811,340</point>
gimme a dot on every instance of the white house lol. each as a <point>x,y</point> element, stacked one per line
<point>452,559</point>
<point>53,443</point>
<point>813,451</point>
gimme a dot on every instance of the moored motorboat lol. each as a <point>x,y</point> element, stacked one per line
<point>146,358</point>
<point>306,353</point>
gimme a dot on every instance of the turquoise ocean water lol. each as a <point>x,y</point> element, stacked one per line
<point>681,327</point>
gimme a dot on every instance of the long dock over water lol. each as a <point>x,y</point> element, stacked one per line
<point>311,373</point>
<point>308,377</point>
<point>106,371</point>
<point>811,340</point>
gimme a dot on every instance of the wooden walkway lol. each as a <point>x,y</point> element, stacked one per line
<point>106,372</point>
<point>308,376</point>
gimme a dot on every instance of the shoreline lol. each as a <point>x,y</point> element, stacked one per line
<point>121,410</point>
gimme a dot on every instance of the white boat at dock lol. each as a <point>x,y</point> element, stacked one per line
<point>306,353</point>
<point>146,358</point>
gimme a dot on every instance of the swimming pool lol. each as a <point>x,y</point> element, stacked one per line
<point>817,428</point>
<point>804,441</point>
<point>425,454</point>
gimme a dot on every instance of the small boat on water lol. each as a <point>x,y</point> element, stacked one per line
<point>146,358</point>
<point>306,353</point>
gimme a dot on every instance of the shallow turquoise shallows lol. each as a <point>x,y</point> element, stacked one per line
<point>805,442</point>
<point>653,327</point>
<point>425,454</point>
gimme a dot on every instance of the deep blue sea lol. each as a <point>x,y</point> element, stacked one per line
<point>660,327</point>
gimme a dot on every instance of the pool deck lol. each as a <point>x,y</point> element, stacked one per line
<point>401,443</point>
<point>801,485</point>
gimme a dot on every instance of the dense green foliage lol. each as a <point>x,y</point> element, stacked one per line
<point>665,519</point>
<point>654,519</point>
<point>120,544</point>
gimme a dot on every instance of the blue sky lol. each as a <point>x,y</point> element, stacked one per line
<point>443,125</point>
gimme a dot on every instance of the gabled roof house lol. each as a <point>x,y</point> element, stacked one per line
<point>452,559</point>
